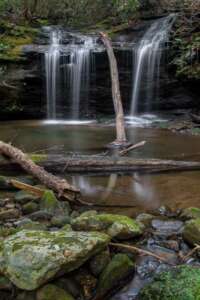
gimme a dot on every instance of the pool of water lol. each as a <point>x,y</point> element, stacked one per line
<point>127,194</point>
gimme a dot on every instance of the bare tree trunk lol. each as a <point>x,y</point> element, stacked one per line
<point>120,124</point>
<point>59,185</point>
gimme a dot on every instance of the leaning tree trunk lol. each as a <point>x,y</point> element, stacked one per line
<point>120,124</point>
<point>59,185</point>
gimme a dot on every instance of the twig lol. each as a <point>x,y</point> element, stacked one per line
<point>132,147</point>
<point>140,251</point>
<point>184,258</point>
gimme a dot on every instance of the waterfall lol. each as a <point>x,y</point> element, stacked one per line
<point>79,74</point>
<point>147,57</point>
<point>52,65</point>
<point>67,67</point>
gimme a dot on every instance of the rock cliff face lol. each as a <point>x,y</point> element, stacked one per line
<point>23,91</point>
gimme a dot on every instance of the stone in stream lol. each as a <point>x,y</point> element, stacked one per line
<point>120,267</point>
<point>31,258</point>
<point>167,228</point>
<point>191,232</point>
<point>117,226</point>
<point>52,292</point>
<point>190,213</point>
<point>180,283</point>
<point>145,219</point>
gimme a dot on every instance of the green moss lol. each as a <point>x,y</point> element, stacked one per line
<point>52,292</point>
<point>118,226</point>
<point>191,213</point>
<point>181,283</point>
<point>191,232</point>
<point>118,269</point>
<point>49,202</point>
<point>37,158</point>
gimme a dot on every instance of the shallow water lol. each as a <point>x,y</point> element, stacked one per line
<point>135,192</point>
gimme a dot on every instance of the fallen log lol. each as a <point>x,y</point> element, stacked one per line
<point>102,164</point>
<point>59,185</point>
<point>132,147</point>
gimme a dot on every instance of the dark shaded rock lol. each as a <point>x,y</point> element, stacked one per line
<point>29,208</point>
<point>99,262</point>
<point>24,197</point>
<point>52,292</point>
<point>118,269</point>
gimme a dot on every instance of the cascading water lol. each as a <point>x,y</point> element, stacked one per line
<point>52,66</point>
<point>79,73</point>
<point>147,57</point>
<point>68,69</point>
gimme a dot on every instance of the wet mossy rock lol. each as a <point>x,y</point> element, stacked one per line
<point>52,292</point>
<point>49,202</point>
<point>191,213</point>
<point>121,227</point>
<point>191,232</point>
<point>120,267</point>
<point>32,258</point>
<point>181,283</point>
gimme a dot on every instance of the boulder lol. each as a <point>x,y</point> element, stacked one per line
<point>31,258</point>
<point>190,213</point>
<point>191,232</point>
<point>180,283</point>
<point>120,267</point>
<point>121,227</point>
<point>52,292</point>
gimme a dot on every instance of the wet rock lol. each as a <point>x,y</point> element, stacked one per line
<point>24,197</point>
<point>145,219</point>
<point>52,292</point>
<point>117,226</point>
<point>60,221</point>
<point>26,296</point>
<point>49,203</point>
<point>179,283</point>
<point>75,214</point>
<point>190,213</point>
<point>41,216</point>
<point>117,270</point>
<point>191,232</point>
<point>167,228</point>
<point>30,225</point>
<point>99,262</point>
<point>29,208</point>
<point>32,258</point>
<point>9,214</point>
<point>87,283</point>
<point>5,284</point>
<point>70,285</point>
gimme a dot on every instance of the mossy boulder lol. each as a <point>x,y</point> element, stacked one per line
<point>180,283</point>
<point>191,232</point>
<point>52,292</point>
<point>120,267</point>
<point>32,258</point>
<point>99,262</point>
<point>121,227</point>
<point>49,202</point>
<point>191,213</point>
<point>23,197</point>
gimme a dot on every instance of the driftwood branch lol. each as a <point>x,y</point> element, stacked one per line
<point>132,147</point>
<point>59,185</point>
<point>116,94</point>
<point>134,249</point>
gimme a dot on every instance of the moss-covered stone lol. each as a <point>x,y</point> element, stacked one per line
<point>49,202</point>
<point>24,197</point>
<point>118,269</point>
<point>181,283</point>
<point>145,219</point>
<point>52,292</point>
<point>99,262</point>
<point>191,213</point>
<point>118,226</point>
<point>30,207</point>
<point>191,232</point>
<point>32,258</point>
